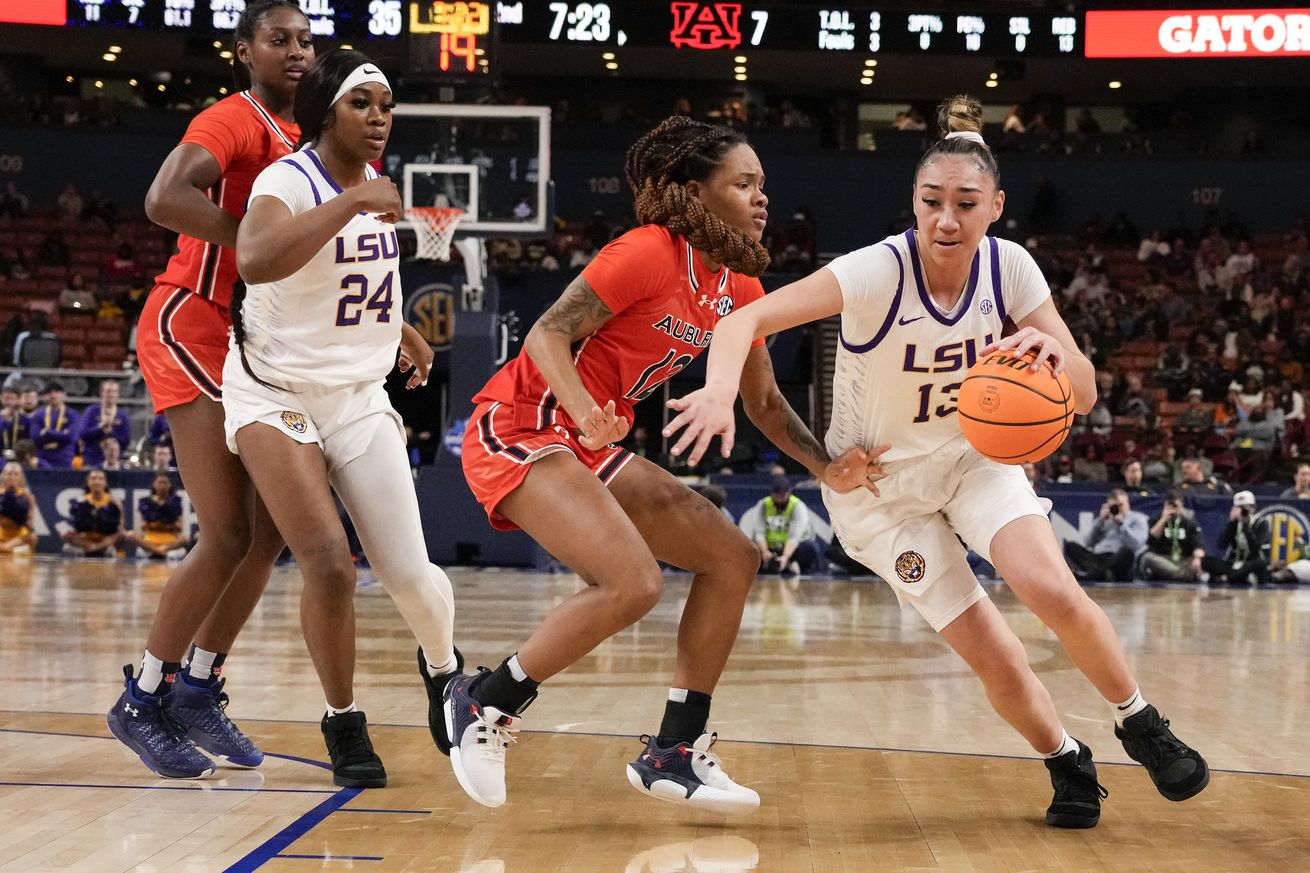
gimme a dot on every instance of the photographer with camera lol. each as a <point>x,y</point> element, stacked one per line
<point>1117,538</point>
<point>1174,547</point>
<point>1246,542</point>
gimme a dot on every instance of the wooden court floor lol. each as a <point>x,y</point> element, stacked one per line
<point>872,747</point>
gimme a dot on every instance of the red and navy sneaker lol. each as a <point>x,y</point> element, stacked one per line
<point>143,723</point>
<point>479,737</point>
<point>689,773</point>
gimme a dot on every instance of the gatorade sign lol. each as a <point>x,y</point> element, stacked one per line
<point>1198,33</point>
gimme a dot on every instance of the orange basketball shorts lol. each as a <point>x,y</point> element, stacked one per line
<point>502,442</point>
<point>181,343</point>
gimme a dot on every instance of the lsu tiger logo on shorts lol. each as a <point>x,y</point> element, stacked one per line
<point>294,422</point>
<point>910,567</point>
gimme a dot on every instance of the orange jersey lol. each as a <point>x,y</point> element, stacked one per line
<point>665,305</point>
<point>244,137</point>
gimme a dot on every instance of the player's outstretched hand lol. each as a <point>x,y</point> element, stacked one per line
<point>380,197</point>
<point>856,468</point>
<point>415,357</point>
<point>703,413</point>
<point>1047,346</point>
<point>601,427</point>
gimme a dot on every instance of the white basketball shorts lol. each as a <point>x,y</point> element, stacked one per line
<point>912,534</point>
<point>340,420</point>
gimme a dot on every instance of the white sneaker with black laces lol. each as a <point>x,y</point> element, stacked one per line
<point>689,773</point>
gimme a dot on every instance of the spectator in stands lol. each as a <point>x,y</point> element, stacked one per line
<point>160,433</point>
<point>97,520</point>
<point>1090,466</point>
<point>70,203</point>
<point>15,424</point>
<point>17,532</point>
<point>37,346</point>
<point>1195,481</point>
<point>1175,546</point>
<point>1131,474</point>
<point>1196,419</point>
<point>1231,412</point>
<point>13,202</point>
<point>54,429</point>
<point>1122,233</point>
<point>160,518</point>
<point>1116,540</point>
<point>122,264</point>
<point>163,458</point>
<point>779,525</point>
<point>1013,120</point>
<point>26,457</point>
<point>53,250</point>
<point>13,264</point>
<point>76,296</point>
<point>100,208</point>
<point>1139,403</point>
<point>1179,262</point>
<point>716,495</point>
<point>111,455</point>
<point>640,444</point>
<point>1153,250</point>
<point>1300,489</point>
<point>1246,542</point>
<point>1100,420</point>
<point>1159,464</point>
<point>29,400</point>
<point>102,420</point>
<point>1173,371</point>
<point>1213,275</point>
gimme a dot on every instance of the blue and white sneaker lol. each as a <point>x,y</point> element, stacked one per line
<point>143,723</point>
<point>479,737</point>
<point>689,773</point>
<point>198,708</point>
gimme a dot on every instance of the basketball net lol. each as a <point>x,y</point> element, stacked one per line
<point>434,227</point>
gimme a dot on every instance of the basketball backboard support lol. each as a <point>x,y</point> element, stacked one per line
<point>491,161</point>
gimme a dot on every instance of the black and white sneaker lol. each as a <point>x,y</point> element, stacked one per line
<point>480,736</point>
<point>436,687</point>
<point>689,773</point>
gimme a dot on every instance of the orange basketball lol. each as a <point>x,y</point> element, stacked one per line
<point>1012,413</point>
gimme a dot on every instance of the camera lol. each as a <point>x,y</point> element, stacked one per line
<point>1245,512</point>
<point>1114,509</point>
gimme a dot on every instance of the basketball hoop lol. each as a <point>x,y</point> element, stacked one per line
<point>434,227</point>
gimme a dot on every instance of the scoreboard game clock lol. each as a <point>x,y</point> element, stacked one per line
<point>732,25</point>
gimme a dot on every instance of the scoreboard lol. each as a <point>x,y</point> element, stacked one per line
<point>709,25</point>
<point>357,19</point>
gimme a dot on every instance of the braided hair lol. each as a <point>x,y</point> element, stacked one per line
<point>247,24</point>
<point>658,167</point>
<point>961,113</point>
<point>235,308</point>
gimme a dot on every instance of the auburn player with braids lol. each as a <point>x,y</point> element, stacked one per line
<point>200,192</point>
<point>916,310</point>
<point>545,425</point>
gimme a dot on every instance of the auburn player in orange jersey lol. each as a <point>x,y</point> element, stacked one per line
<point>545,426</point>
<point>182,339</point>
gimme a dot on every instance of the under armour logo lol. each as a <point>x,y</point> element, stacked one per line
<point>129,708</point>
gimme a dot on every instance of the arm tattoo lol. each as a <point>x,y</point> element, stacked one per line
<point>577,306</point>
<point>801,443</point>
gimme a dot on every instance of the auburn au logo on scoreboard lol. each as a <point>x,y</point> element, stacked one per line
<point>1197,33</point>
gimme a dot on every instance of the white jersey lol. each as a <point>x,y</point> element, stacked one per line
<point>900,358</point>
<point>336,320</point>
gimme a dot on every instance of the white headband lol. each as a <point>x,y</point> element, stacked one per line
<point>970,135</point>
<point>369,72</point>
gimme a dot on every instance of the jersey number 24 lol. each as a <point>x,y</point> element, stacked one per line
<point>348,312</point>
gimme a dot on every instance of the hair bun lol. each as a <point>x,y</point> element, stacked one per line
<point>960,113</point>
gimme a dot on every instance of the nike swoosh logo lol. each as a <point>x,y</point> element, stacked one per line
<point>371,71</point>
<point>904,321</point>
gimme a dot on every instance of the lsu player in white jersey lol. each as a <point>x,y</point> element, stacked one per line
<point>916,311</point>
<point>315,332</point>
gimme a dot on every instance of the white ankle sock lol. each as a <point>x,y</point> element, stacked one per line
<point>331,712</point>
<point>152,674</point>
<point>519,674</point>
<point>1129,708</point>
<point>1067,745</point>
<point>201,664</point>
